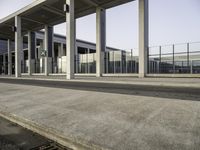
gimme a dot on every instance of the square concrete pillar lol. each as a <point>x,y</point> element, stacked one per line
<point>31,51</point>
<point>18,46</point>
<point>100,40</point>
<point>60,50</point>
<point>22,57</point>
<point>9,58</point>
<point>143,37</point>
<point>39,49</point>
<point>48,47</point>
<point>71,36</point>
<point>4,63</point>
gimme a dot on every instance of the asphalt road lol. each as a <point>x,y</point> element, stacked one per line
<point>182,93</point>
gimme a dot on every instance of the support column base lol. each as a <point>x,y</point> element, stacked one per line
<point>48,66</point>
<point>99,75</point>
<point>32,67</point>
<point>69,77</point>
<point>17,76</point>
<point>142,75</point>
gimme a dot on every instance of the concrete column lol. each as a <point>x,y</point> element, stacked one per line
<point>143,37</point>
<point>9,58</point>
<point>48,46</point>
<point>60,55</point>
<point>40,65</point>
<point>18,46</point>
<point>60,50</point>
<point>76,50</point>
<point>71,36</point>
<point>100,40</point>
<point>41,48</point>
<point>31,51</point>
<point>4,63</point>
<point>22,63</point>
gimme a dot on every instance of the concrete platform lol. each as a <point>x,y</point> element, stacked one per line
<point>107,121</point>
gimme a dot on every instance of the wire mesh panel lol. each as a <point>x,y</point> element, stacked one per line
<point>131,63</point>
<point>24,66</point>
<point>39,65</point>
<point>1,68</point>
<point>91,62</point>
<point>120,62</point>
<point>85,63</point>
<point>117,62</point>
<point>154,59</point>
<point>181,58</point>
<point>111,62</point>
<point>194,47</point>
<point>178,58</point>
<point>3,65</point>
<point>195,66</point>
<point>58,65</point>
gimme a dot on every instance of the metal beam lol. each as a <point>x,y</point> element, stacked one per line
<point>31,20</point>
<point>7,36</point>
<point>111,3</point>
<point>92,2</point>
<point>23,33</point>
<point>53,10</point>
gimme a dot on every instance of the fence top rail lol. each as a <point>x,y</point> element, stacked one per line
<point>156,46</point>
<point>193,52</point>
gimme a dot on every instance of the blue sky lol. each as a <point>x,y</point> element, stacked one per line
<point>171,21</point>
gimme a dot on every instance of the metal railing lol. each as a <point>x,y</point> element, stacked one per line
<point>119,62</point>
<point>175,59</point>
<point>4,68</point>
<point>115,62</point>
<point>168,59</point>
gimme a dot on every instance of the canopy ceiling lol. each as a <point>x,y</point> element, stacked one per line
<point>50,12</point>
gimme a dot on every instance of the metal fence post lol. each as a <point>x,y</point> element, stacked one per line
<point>114,61</point>
<point>188,57</point>
<point>131,61</point>
<point>191,67</point>
<point>173,58</point>
<point>160,58</point>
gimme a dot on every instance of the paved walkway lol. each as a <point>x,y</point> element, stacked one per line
<point>96,120</point>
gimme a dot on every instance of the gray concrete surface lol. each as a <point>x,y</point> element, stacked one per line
<point>107,120</point>
<point>166,82</point>
<point>14,137</point>
<point>173,92</point>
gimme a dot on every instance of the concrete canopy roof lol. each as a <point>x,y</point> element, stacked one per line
<point>50,12</point>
